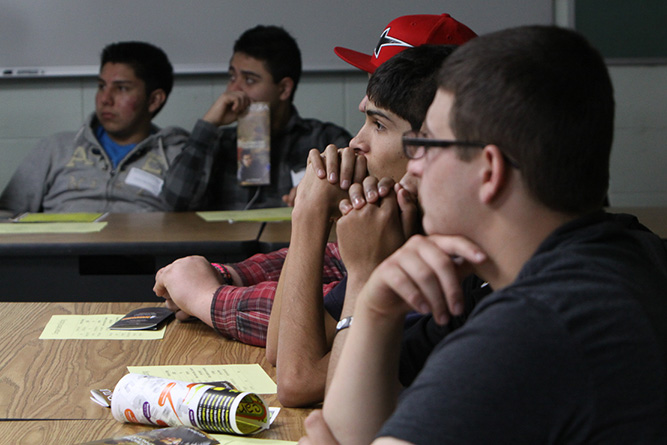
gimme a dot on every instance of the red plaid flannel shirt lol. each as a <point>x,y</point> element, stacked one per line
<point>243,312</point>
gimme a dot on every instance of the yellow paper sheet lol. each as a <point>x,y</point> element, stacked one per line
<point>59,217</point>
<point>254,215</point>
<point>93,327</point>
<point>225,439</point>
<point>245,377</point>
<point>55,227</point>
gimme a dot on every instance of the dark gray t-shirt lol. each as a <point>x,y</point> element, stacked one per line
<point>572,352</point>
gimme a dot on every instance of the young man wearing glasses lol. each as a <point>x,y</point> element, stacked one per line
<point>572,345</point>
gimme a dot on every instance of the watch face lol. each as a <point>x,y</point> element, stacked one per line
<point>344,323</point>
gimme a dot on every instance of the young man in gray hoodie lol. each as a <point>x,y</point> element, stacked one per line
<point>118,160</point>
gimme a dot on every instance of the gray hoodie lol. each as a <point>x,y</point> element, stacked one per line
<point>71,172</point>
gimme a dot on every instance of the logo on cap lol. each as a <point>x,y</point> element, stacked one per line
<point>386,40</point>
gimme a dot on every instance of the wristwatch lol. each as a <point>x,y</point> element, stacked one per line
<point>344,323</point>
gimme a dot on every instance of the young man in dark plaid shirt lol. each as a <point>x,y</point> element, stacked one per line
<point>265,67</point>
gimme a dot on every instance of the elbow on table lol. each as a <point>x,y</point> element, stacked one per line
<point>297,391</point>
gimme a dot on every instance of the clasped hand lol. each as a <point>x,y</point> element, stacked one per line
<point>328,177</point>
<point>425,275</point>
<point>377,218</point>
<point>187,285</point>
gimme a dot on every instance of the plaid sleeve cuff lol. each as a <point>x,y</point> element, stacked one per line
<point>204,132</point>
<point>243,313</point>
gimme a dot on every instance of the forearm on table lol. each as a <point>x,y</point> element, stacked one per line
<point>332,276</point>
<point>243,312</point>
<point>354,285</point>
<point>202,309</point>
<point>274,321</point>
<point>302,345</point>
<point>364,388</point>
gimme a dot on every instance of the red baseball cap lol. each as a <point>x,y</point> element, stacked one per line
<point>405,32</point>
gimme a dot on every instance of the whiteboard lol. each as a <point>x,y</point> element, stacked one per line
<point>65,37</point>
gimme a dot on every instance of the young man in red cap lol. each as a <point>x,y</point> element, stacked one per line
<point>571,347</point>
<point>303,324</point>
<point>239,305</point>
<point>406,32</point>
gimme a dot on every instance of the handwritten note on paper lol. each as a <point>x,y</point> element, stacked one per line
<point>254,215</point>
<point>92,327</point>
<point>245,377</point>
<point>55,227</point>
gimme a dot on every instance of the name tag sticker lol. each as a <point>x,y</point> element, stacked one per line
<point>144,180</point>
<point>297,176</point>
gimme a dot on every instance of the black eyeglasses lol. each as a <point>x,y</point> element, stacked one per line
<point>416,144</point>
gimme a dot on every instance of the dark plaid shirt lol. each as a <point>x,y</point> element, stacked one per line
<point>204,175</point>
<point>243,312</point>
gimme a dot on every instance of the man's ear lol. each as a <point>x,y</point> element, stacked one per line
<point>286,87</point>
<point>494,173</point>
<point>156,99</point>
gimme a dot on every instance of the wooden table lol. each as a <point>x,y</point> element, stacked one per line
<point>67,431</point>
<point>119,262</point>
<point>63,431</point>
<point>48,382</point>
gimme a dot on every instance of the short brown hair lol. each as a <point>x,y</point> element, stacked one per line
<point>543,95</point>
